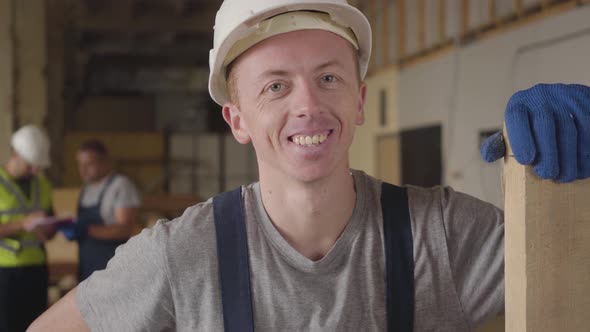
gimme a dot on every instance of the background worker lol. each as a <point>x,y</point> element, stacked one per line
<point>25,198</point>
<point>311,250</point>
<point>107,210</point>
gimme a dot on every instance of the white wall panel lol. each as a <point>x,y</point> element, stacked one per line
<point>468,90</point>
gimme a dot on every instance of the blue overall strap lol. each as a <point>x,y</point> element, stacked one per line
<point>234,267</point>
<point>399,258</point>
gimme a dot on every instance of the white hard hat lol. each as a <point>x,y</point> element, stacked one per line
<point>32,144</point>
<point>238,19</point>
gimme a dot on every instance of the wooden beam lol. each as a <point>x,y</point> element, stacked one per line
<point>373,20</point>
<point>421,25</point>
<point>547,252</point>
<point>492,11</point>
<point>545,4</point>
<point>401,29</point>
<point>199,22</point>
<point>7,75</point>
<point>442,21</point>
<point>385,32</point>
<point>518,7</point>
<point>31,62</point>
<point>464,17</point>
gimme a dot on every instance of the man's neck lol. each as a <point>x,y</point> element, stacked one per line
<point>310,216</point>
<point>100,180</point>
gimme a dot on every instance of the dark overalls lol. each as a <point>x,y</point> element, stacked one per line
<point>94,253</point>
<point>234,266</point>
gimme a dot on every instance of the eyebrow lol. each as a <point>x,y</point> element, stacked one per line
<point>329,64</point>
<point>281,72</point>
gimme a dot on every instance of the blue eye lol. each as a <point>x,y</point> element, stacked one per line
<point>275,87</point>
<point>329,78</point>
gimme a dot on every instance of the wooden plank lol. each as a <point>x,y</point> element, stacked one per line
<point>421,25</point>
<point>401,29</point>
<point>117,16</point>
<point>442,21</point>
<point>373,19</point>
<point>31,62</point>
<point>464,17</point>
<point>384,4</point>
<point>116,113</point>
<point>547,252</point>
<point>57,18</point>
<point>492,11</point>
<point>6,76</point>
<point>518,7</point>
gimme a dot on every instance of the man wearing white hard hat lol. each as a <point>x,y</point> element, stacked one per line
<point>25,197</point>
<point>312,246</point>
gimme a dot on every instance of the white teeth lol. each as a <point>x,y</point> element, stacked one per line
<point>310,140</point>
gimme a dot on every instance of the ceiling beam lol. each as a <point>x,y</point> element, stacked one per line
<point>201,21</point>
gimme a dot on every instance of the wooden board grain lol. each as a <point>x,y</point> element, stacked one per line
<point>547,252</point>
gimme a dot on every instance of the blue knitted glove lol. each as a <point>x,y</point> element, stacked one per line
<point>68,231</point>
<point>75,231</point>
<point>549,127</point>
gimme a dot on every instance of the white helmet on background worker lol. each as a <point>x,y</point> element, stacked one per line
<point>240,24</point>
<point>32,144</point>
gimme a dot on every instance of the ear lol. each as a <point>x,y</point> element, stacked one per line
<point>360,117</point>
<point>233,116</point>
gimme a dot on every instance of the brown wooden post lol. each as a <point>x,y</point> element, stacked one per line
<point>547,252</point>
<point>384,5</point>
<point>464,17</point>
<point>372,18</point>
<point>7,76</point>
<point>421,25</point>
<point>518,7</point>
<point>492,11</point>
<point>442,21</point>
<point>401,29</point>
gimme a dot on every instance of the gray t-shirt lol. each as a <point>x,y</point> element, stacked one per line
<point>120,193</point>
<point>166,278</point>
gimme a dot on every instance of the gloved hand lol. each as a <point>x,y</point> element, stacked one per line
<point>549,127</point>
<point>74,232</point>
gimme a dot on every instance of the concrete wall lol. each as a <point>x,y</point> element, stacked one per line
<point>467,89</point>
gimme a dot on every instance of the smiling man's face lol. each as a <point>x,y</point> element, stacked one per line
<point>298,101</point>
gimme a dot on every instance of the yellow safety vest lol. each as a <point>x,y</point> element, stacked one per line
<point>22,249</point>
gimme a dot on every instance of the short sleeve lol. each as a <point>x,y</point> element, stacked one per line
<point>133,293</point>
<point>126,195</point>
<point>475,238</point>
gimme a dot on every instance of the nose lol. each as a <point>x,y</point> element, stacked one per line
<point>307,100</point>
